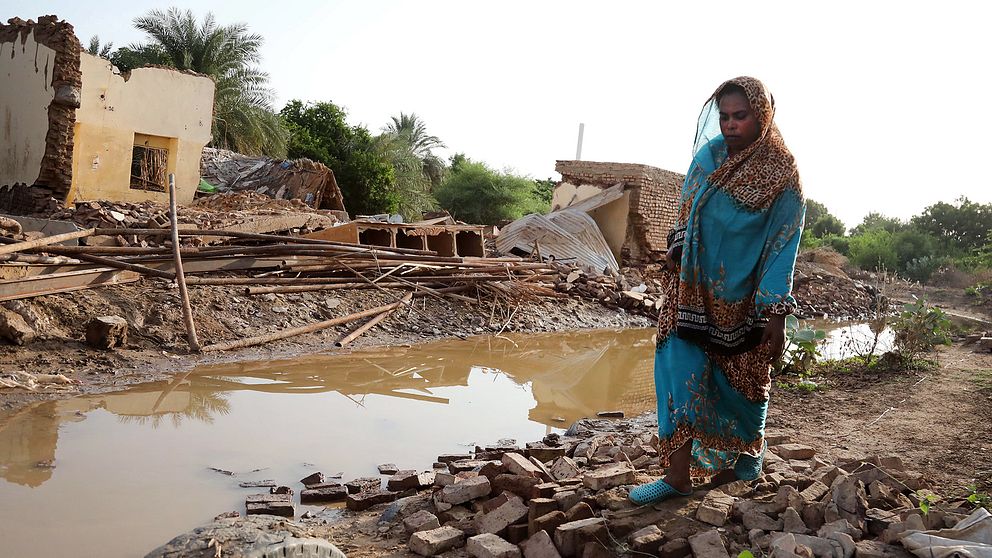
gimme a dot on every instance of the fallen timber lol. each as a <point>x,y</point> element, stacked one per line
<point>256,264</point>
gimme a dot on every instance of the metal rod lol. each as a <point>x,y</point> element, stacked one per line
<point>194,343</point>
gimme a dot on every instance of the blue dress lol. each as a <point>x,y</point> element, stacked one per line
<point>712,375</point>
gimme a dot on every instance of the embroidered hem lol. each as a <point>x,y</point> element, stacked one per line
<point>686,433</point>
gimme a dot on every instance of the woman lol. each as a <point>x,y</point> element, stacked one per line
<point>731,257</point>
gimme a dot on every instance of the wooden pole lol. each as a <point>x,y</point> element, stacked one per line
<point>46,241</point>
<point>258,340</point>
<point>371,323</point>
<point>194,343</point>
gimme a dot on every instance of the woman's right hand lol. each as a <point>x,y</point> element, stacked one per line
<point>673,258</point>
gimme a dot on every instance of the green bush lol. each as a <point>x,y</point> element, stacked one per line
<point>474,193</point>
<point>873,250</point>
<point>919,328</point>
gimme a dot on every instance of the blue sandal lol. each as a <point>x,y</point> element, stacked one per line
<point>654,492</point>
<point>749,467</point>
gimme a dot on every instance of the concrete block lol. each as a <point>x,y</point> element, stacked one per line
<point>436,541</point>
<point>488,545</point>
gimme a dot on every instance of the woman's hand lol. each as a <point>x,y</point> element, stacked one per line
<point>774,337</point>
<point>673,258</point>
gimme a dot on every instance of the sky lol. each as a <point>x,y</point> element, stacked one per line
<point>881,102</point>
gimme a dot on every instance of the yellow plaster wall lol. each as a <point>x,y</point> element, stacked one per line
<point>611,218</point>
<point>25,93</point>
<point>152,102</point>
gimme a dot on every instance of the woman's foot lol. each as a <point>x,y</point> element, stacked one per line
<point>657,491</point>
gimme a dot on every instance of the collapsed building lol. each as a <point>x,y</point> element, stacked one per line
<point>75,128</point>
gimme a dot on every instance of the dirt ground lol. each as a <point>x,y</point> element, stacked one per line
<point>938,421</point>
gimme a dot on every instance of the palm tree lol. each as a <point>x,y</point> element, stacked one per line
<point>243,118</point>
<point>412,131</point>
<point>96,49</point>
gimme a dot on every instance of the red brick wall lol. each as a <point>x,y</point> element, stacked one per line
<point>654,195</point>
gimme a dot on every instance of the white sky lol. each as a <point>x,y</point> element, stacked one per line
<point>881,102</point>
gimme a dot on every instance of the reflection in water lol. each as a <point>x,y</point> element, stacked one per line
<point>569,376</point>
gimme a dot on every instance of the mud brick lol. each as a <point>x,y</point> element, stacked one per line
<point>466,490</point>
<point>106,332</point>
<point>258,484</point>
<point>517,534</point>
<point>488,545</point>
<point>876,549</point>
<point>754,519</point>
<point>715,508</point>
<point>436,541</point>
<point>513,510</point>
<point>675,548</point>
<point>777,439</point>
<point>363,484</point>
<point>423,520</point>
<point>270,504</point>
<point>567,499</point>
<point>647,540</point>
<point>596,549</point>
<point>492,469</point>
<point>449,457</point>
<point>315,478</point>
<point>795,451</point>
<point>547,522</point>
<point>539,545</point>
<point>521,485</point>
<point>519,465</point>
<point>545,454</point>
<point>564,468</point>
<point>579,511</point>
<point>402,480</point>
<point>737,489</point>
<point>571,537</point>
<point>540,506</point>
<point>814,492</point>
<point>388,469</point>
<point>281,490</point>
<point>443,479</point>
<point>468,465</point>
<point>543,471</point>
<point>544,490</point>
<point>425,479</point>
<point>455,513</point>
<point>365,500</point>
<point>792,522</point>
<point>609,476</point>
<point>323,494</point>
<point>708,544</point>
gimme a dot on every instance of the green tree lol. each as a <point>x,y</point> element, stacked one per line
<point>320,131</point>
<point>410,130</point>
<point>545,190</point>
<point>965,224</point>
<point>96,49</point>
<point>475,193</point>
<point>875,220</point>
<point>243,118</point>
<point>873,250</point>
<point>827,225</point>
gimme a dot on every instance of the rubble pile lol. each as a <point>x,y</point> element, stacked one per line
<point>239,210</point>
<point>629,291</point>
<point>567,496</point>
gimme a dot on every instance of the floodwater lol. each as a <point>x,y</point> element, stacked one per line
<point>118,474</point>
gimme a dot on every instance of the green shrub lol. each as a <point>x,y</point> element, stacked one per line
<point>919,328</point>
<point>474,193</point>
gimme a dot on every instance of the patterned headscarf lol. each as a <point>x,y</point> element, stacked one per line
<point>759,173</point>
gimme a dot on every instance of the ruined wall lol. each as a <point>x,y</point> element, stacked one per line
<point>652,202</point>
<point>40,66</point>
<point>154,107</point>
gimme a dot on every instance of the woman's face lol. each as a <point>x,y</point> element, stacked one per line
<point>738,122</point>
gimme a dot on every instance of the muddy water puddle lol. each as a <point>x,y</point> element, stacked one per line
<point>118,474</point>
